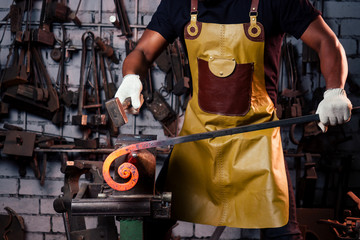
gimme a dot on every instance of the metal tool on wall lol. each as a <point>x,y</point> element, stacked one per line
<point>60,12</point>
<point>63,54</point>
<point>17,12</point>
<point>122,16</point>
<point>21,146</point>
<point>289,100</point>
<point>43,34</point>
<point>106,56</point>
<point>25,97</point>
<point>60,81</point>
<point>89,102</point>
<point>196,137</point>
<point>16,73</point>
<point>89,114</point>
<point>109,89</point>
<point>12,226</point>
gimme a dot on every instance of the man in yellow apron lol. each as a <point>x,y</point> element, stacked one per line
<point>233,49</point>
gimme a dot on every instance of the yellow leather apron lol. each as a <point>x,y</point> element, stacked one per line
<point>239,180</point>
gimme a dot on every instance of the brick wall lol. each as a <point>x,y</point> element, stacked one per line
<point>33,201</point>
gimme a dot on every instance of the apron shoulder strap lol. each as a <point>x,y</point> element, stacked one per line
<point>254,7</point>
<point>194,6</point>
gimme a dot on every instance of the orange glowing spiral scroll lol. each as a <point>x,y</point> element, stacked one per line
<point>125,170</point>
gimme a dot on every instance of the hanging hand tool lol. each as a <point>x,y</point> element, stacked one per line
<point>60,82</point>
<point>41,108</point>
<point>191,138</point>
<point>62,54</point>
<point>53,102</point>
<point>43,34</point>
<point>124,22</point>
<point>60,12</point>
<point>16,14</point>
<point>20,69</point>
<point>113,129</point>
<point>111,85</point>
<point>88,40</point>
<point>16,73</point>
<point>106,50</point>
<point>93,117</point>
<point>73,15</point>
<point>82,73</point>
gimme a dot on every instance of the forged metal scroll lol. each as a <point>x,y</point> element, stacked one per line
<point>126,169</point>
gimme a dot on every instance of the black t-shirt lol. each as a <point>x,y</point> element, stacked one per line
<point>277,17</point>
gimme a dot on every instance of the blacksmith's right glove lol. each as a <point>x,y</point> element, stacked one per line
<point>131,86</point>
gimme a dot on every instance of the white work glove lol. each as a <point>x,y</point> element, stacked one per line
<point>334,109</point>
<point>131,86</point>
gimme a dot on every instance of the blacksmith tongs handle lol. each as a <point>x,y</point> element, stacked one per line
<point>127,169</point>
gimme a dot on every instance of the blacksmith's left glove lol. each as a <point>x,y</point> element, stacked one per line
<point>334,109</point>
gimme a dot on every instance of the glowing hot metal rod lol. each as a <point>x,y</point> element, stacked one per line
<point>126,169</point>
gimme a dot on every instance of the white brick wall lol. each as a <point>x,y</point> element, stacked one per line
<point>20,205</point>
<point>37,223</point>
<point>57,224</point>
<point>33,187</point>
<point>8,186</point>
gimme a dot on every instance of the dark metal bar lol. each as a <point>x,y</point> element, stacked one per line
<point>229,131</point>
<point>112,206</point>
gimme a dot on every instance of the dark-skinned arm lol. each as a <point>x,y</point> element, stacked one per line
<point>333,62</point>
<point>149,47</point>
<point>136,64</point>
<point>335,108</point>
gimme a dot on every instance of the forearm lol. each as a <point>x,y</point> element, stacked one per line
<point>333,63</point>
<point>136,63</point>
<point>149,47</point>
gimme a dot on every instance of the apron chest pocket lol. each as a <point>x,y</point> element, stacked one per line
<point>225,91</point>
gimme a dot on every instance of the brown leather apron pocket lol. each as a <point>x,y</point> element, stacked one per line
<point>229,95</point>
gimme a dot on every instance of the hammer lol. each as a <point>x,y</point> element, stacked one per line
<point>117,110</point>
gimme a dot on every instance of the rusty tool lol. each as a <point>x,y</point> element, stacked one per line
<point>16,73</point>
<point>19,143</point>
<point>122,16</point>
<point>117,110</point>
<point>43,34</point>
<point>191,138</point>
<point>107,50</point>
<point>94,104</point>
